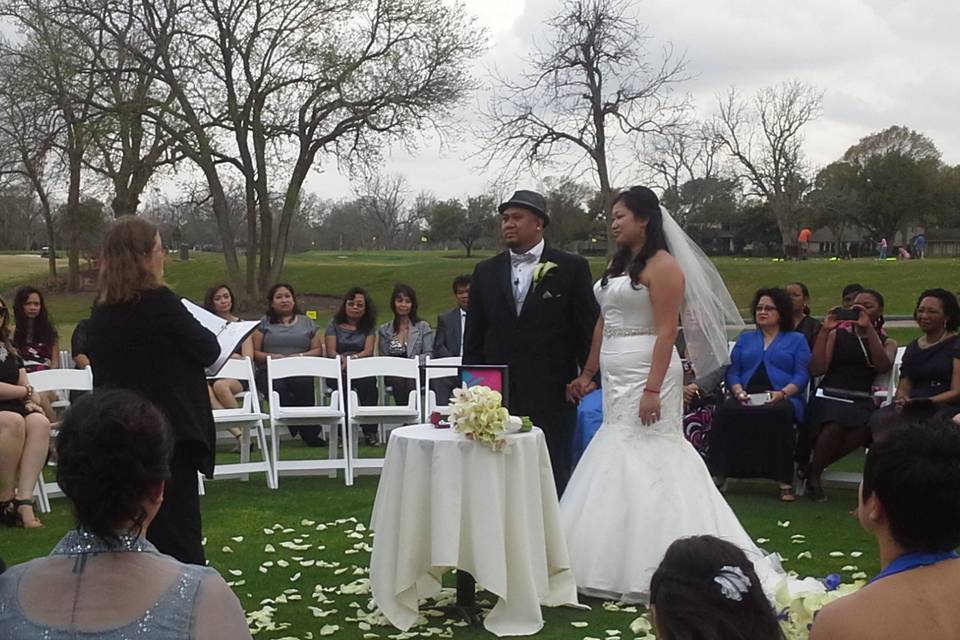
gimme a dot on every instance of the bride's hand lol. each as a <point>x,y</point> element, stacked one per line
<point>579,387</point>
<point>649,408</point>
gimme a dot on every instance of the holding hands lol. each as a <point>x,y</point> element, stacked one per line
<point>580,386</point>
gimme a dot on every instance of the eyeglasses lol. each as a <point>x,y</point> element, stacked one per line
<point>762,308</point>
<point>3,312</point>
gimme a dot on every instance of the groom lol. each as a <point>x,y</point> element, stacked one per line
<point>532,308</point>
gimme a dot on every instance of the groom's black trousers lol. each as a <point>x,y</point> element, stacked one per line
<point>558,428</point>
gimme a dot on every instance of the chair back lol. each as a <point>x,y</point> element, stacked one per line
<point>62,379</point>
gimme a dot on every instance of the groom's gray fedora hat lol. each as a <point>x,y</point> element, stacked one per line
<point>530,200</point>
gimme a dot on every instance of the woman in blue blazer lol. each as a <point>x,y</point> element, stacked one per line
<point>753,434</point>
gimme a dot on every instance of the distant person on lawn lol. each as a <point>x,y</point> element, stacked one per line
<point>910,502</point>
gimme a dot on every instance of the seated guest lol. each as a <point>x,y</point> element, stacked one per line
<point>36,339</point>
<point>849,357</point>
<point>406,336</point>
<point>910,502</point>
<point>930,369</point>
<point>753,432</point>
<point>104,579</point>
<point>351,333</point>
<point>223,391</point>
<point>24,435</point>
<point>449,336</point>
<point>706,588</point>
<point>800,304</point>
<point>850,294</point>
<point>702,394</point>
<point>285,332</point>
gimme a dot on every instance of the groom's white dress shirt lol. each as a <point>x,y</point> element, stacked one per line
<point>522,266</point>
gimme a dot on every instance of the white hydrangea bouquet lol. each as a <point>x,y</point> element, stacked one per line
<point>798,601</point>
<point>479,414</point>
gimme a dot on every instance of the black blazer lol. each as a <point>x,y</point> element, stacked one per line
<point>446,341</point>
<point>548,343</point>
<point>155,347</point>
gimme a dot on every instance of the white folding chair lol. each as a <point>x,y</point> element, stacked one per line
<point>381,414</point>
<point>893,380</point>
<point>434,372</point>
<point>59,380</point>
<point>328,415</point>
<point>248,415</point>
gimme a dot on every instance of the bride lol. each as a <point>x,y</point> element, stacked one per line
<point>640,485</point>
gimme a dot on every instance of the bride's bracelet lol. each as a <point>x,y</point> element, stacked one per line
<point>653,391</point>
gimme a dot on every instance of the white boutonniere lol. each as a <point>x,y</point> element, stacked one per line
<point>542,271</point>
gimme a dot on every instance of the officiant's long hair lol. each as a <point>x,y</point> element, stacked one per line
<point>706,589</point>
<point>644,205</point>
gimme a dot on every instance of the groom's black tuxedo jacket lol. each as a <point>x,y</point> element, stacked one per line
<point>547,343</point>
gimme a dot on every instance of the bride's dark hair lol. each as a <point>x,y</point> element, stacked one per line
<point>643,204</point>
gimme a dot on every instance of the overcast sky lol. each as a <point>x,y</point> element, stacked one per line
<point>879,63</point>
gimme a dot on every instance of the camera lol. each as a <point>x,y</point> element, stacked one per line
<point>846,314</point>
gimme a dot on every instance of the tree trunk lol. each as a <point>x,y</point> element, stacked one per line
<point>73,206</point>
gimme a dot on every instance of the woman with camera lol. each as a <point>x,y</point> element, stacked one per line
<point>850,351</point>
<point>753,433</point>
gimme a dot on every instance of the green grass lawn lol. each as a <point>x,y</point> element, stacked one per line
<point>431,272</point>
<point>242,518</point>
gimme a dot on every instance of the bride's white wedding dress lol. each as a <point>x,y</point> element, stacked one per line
<point>638,487</point>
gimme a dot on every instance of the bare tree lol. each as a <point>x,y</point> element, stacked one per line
<point>681,155</point>
<point>384,211</point>
<point>28,130</point>
<point>765,136</point>
<point>592,86</point>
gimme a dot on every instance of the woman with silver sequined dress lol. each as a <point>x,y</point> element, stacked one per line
<point>640,485</point>
<point>104,579</point>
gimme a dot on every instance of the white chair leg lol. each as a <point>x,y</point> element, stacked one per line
<point>347,451</point>
<point>201,489</point>
<point>265,452</point>
<point>43,500</point>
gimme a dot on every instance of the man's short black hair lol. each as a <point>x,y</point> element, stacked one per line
<point>463,280</point>
<point>915,473</point>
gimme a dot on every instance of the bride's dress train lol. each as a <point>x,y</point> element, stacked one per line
<point>638,488</point>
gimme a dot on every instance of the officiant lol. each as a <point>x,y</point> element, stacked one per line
<point>140,337</point>
<point>532,308</point>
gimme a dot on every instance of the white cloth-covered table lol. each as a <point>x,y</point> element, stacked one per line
<point>447,502</point>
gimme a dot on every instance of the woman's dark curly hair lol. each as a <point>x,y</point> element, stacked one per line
<point>950,307</point>
<point>689,602</point>
<point>366,323</point>
<point>113,447</point>
<point>41,328</point>
<point>781,300</point>
<point>644,204</point>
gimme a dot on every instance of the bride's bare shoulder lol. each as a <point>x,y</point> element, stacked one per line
<point>663,260</point>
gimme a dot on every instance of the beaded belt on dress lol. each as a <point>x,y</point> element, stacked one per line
<point>623,332</point>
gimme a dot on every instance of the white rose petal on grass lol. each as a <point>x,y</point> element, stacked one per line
<point>295,577</point>
<point>237,538</point>
<point>804,554</point>
<point>579,624</point>
<point>612,632</point>
<point>269,548</point>
<point>783,524</point>
<point>235,572</point>
<point>856,554</point>
<point>227,550</point>
<point>763,540</point>
<point>282,563</point>
<point>204,541</point>
<point>850,567</point>
<point>641,625</point>
<point>289,530</point>
<point>337,572</point>
<point>836,554</point>
<point>797,536</point>
<point>262,569</point>
<point>860,575</point>
<point>364,626</point>
<point>307,563</point>
<point>307,523</point>
<point>329,629</point>
<point>268,532</point>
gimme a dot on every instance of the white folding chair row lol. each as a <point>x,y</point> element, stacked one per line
<point>381,414</point>
<point>450,370</point>
<point>328,414</point>
<point>893,380</point>
<point>245,417</point>
<point>60,380</point>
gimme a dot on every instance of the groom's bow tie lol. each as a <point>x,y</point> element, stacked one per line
<point>516,259</point>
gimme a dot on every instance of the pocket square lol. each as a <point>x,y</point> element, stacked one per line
<point>547,295</point>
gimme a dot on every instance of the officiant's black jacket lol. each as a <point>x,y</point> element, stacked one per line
<point>547,344</point>
<point>156,347</point>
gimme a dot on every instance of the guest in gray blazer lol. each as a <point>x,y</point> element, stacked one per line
<point>449,340</point>
<point>406,336</point>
